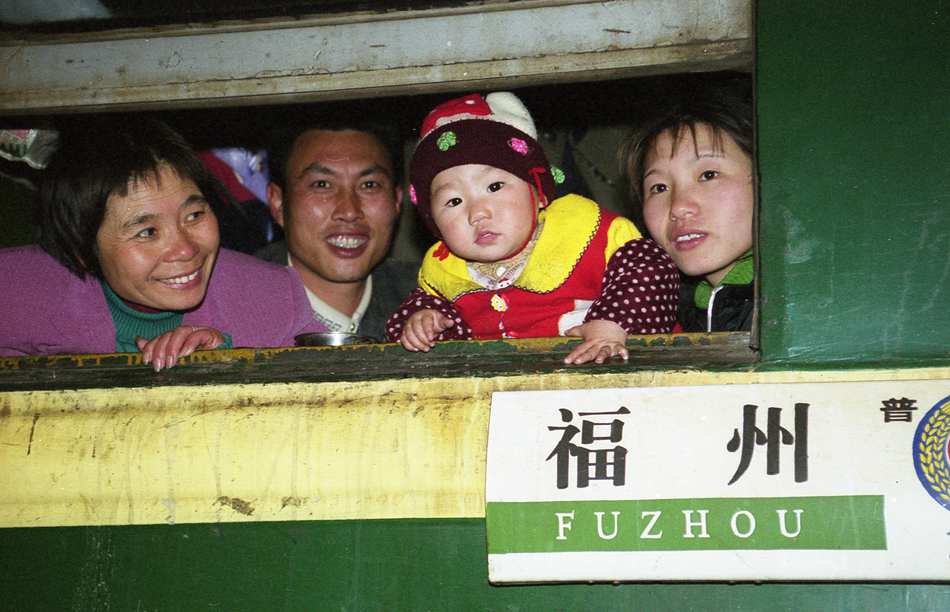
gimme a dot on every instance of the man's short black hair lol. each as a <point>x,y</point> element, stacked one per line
<point>98,158</point>
<point>282,140</point>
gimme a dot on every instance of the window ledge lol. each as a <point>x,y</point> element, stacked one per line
<point>483,358</point>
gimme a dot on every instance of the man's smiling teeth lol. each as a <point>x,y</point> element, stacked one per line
<point>685,237</point>
<point>181,280</point>
<point>347,242</point>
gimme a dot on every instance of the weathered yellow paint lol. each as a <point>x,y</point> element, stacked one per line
<point>384,449</point>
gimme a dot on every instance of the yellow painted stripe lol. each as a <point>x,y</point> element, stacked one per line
<point>273,452</point>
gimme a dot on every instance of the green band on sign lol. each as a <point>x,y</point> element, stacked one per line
<point>854,522</point>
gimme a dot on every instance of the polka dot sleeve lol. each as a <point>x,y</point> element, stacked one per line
<point>420,300</point>
<point>641,289</point>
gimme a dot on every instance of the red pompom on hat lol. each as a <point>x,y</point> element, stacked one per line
<point>495,130</point>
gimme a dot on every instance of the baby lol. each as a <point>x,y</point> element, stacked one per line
<point>511,263</point>
<point>691,171</point>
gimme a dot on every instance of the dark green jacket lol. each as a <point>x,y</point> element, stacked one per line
<point>731,309</point>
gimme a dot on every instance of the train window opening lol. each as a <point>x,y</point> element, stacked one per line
<point>582,118</point>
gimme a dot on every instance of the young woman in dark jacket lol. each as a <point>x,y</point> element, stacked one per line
<point>691,175</point>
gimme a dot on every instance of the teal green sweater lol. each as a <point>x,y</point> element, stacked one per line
<point>131,324</point>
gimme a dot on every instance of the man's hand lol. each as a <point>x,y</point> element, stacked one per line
<point>163,351</point>
<point>602,340</point>
<point>422,327</point>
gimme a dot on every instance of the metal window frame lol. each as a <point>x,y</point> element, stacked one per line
<point>371,55</point>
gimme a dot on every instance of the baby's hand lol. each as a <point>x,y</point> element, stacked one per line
<point>163,351</point>
<point>421,329</point>
<point>602,340</point>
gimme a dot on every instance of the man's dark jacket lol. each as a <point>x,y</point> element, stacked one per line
<point>392,281</point>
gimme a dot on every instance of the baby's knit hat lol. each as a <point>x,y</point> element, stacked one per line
<point>495,130</point>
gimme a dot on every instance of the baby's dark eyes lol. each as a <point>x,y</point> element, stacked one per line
<point>708,175</point>
<point>496,186</point>
<point>452,203</point>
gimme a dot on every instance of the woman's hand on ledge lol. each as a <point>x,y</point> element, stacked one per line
<point>163,351</point>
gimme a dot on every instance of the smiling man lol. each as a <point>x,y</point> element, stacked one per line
<point>335,192</point>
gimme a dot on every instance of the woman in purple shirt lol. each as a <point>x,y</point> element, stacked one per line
<point>129,258</point>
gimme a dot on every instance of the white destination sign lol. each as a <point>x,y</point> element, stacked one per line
<point>824,481</point>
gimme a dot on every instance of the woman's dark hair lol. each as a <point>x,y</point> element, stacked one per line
<point>99,158</point>
<point>723,111</point>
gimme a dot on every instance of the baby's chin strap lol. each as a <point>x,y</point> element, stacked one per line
<point>538,202</point>
<point>536,173</point>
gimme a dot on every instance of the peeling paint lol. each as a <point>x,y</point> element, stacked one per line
<point>29,444</point>
<point>237,504</point>
<point>170,507</point>
<point>172,61</point>
<point>292,501</point>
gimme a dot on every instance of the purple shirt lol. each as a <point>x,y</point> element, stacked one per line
<point>45,309</point>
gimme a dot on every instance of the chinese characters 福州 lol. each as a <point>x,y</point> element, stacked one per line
<point>772,438</point>
<point>591,463</point>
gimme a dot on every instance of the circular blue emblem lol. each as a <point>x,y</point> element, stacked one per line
<point>932,452</point>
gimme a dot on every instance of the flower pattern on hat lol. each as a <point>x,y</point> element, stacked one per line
<point>446,141</point>
<point>519,146</point>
